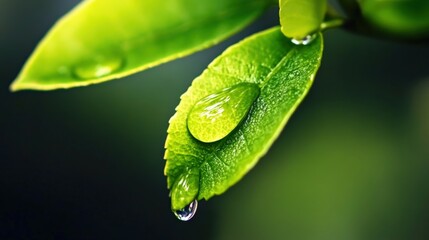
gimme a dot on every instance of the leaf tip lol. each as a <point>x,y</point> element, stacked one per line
<point>15,86</point>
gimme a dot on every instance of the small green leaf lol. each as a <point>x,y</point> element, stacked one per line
<point>408,18</point>
<point>101,40</point>
<point>282,71</point>
<point>301,18</point>
<point>215,116</point>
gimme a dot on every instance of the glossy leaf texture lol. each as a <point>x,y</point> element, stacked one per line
<point>284,73</point>
<point>101,40</point>
<point>300,18</point>
<point>407,18</point>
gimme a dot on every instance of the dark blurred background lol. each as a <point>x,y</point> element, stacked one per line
<point>87,163</point>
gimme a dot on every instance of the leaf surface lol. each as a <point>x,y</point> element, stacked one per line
<point>284,73</point>
<point>101,40</point>
<point>300,18</point>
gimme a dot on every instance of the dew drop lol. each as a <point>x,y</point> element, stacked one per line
<point>187,212</point>
<point>98,67</point>
<point>304,41</point>
<point>185,191</point>
<point>63,70</point>
<point>217,115</point>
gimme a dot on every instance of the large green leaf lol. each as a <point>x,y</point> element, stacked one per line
<point>408,18</point>
<point>284,73</point>
<point>300,18</point>
<point>101,40</point>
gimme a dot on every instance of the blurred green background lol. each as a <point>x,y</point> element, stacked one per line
<point>87,163</point>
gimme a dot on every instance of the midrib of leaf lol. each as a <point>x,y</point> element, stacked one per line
<point>277,67</point>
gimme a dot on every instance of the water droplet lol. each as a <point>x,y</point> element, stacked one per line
<point>187,212</point>
<point>185,190</point>
<point>98,67</point>
<point>217,115</point>
<point>304,41</point>
<point>63,70</point>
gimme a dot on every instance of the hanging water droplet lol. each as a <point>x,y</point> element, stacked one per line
<point>184,191</point>
<point>98,67</point>
<point>304,41</point>
<point>187,212</point>
<point>217,115</point>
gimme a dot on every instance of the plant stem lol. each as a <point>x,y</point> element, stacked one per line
<point>333,19</point>
<point>333,23</point>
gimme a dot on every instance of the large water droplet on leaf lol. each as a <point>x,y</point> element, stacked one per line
<point>217,115</point>
<point>304,41</point>
<point>98,67</point>
<point>187,212</point>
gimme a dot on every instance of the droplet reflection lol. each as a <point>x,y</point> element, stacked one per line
<point>304,41</point>
<point>187,212</point>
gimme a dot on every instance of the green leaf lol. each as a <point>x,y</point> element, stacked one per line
<point>301,18</point>
<point>101,40</point>
<point>408,18</point>
<point>284,73</point>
